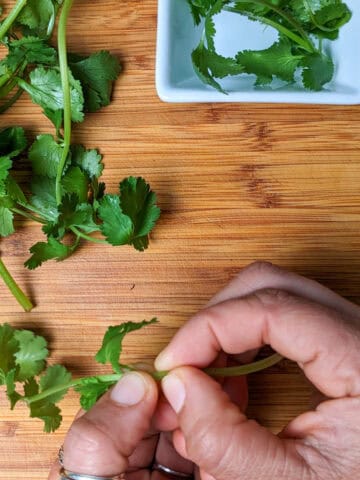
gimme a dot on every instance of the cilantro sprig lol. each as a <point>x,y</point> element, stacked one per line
<point>65,194</point>
<point>28,378</point>
<point>302,26</point>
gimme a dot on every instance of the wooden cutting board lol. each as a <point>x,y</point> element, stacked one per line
<point>236,183</point>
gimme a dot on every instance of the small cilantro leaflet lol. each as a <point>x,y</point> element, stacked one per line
<point>31,50</point>
<point>128,219</point>
<point>8,348</point>
<point>91,389</point>
<point>42,251</point>
<point>111,348</point>
<point>55,376</point>
<point>318,70</point>
<point>277,60</point>
<point>45,89</point>
<point>48,413</point>
<point>12,142</point>
<point>45,154</point>
<point>31,354</point>
<point>116,227</point>
<point>37,15</point>
<point>96,74</point>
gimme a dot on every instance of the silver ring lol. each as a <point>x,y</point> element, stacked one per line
<point>61,456</point>
<point>162,468</point>
<point>67,475</point>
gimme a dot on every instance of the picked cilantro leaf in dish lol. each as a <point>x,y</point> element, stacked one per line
<point>297,56</point>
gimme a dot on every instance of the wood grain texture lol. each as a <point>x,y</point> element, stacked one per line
<point>236,183</point>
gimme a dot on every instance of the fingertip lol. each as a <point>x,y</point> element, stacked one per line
<point>133,388</point>
<point>174,390</point>
<point>164,360</point>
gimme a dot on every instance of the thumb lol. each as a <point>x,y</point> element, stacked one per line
<point>100,442</point>
<point>220,439</point>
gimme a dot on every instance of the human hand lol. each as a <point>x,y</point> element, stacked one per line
<point>306,323</point>
<point>121,434</point>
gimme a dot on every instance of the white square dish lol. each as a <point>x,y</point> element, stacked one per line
<point>176,80</point>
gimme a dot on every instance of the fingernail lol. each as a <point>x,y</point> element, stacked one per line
<point>174,391</point>
<point>163,361</point>
<point>130,390</point>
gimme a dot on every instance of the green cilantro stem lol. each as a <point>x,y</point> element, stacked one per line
<point>14,288</point>
<point>64,72</point>
<point>11,18</point>
<point>28,215</point>
<point>304,42</point>
<point>88,237</point>
<point>11,100</point>
<point>213,372</point>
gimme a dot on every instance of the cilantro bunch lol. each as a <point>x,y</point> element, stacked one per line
<point>28,378</point>
<point>302,26</point>
<point>64,194</point>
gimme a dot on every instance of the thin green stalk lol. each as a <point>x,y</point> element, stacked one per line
<point>213,372</point>
<point>11,100</point>
<point>28,215</point>
<point>11,18</point>
<point>14,288</point>
<point>64,72</point>
<point>245,369</point>
<point>276,25</point>
<point>59,388</point>
<point>88,237</point>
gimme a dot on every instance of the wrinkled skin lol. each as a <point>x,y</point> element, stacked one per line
<point>212,436</point>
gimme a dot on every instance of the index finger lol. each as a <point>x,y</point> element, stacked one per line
<point>262,275</point>
<point>318,338</point>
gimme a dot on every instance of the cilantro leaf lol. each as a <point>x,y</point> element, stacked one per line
<point>322,17</point>
<point>8,348</point>
<point>31,354</point>
<point>91,389</point>
<point>13,190</point>
<point>111,348</point>
<point>5,165</point>
<point>48,413</point>
<point>277,60</point>
<point>45,155</point>
<point>43,251</point>
<point>139,203</point>
<point>318,70</point>
<point>209,65</point>
<point>72,214</point>
<point>33,50</point>
<point>12,142</point>
<point>38,15</point>
<point>96,74</point>
<point>44,197</point>
<point>45,89</point>
<point>116,227</point>
<point>90,161</point>
<point>55,376</point>
<point>76,181</point>
<point>200,8</point>
<point>11,392</point>
<point>6,221</point>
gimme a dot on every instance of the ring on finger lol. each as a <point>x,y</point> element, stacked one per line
<point>68,475</point>
<point>169,471</point>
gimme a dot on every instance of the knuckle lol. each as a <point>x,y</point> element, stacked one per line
<point>86,436</point>
<point>272,297</point>
<point>262,268</point>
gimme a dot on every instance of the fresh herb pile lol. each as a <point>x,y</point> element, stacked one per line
<point>64,193</point>
<point>27,378</point>
<point>302,25</point>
